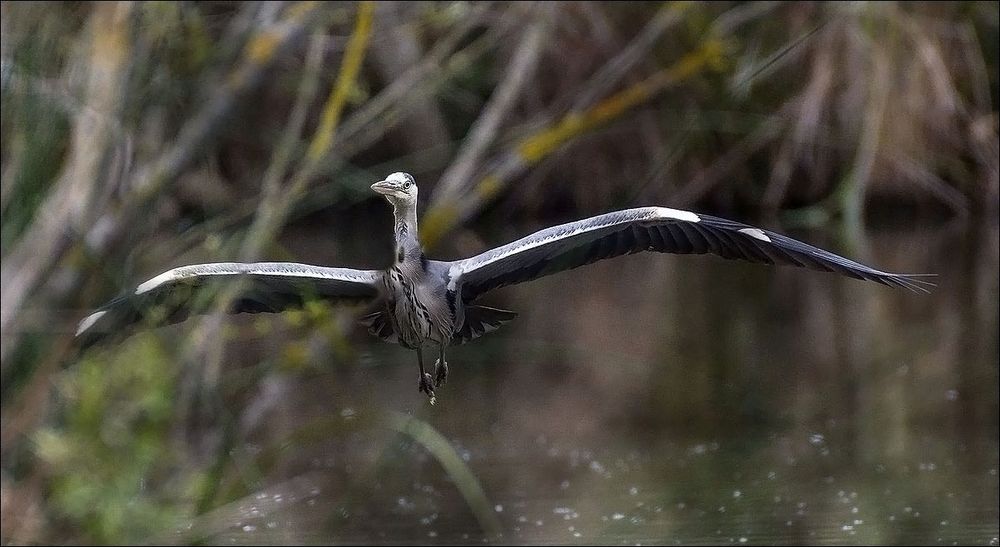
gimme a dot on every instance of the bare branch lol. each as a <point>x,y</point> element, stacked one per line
<point>442,217</point>
<point>484,130</point>
<point>614,70</point>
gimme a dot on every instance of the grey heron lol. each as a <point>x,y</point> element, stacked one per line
<point>421,302</point>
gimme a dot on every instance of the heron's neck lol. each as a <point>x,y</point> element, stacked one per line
<point>407,240</point>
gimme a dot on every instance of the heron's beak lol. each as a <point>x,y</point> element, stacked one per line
<point>383,187</point>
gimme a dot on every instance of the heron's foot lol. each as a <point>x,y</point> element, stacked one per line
<point>427,386</point>
<point>440,373</point>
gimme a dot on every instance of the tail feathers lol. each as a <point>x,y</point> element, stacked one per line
<point>480,320</point>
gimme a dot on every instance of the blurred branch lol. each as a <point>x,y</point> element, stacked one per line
<point>60,219</point>
<point>485,129</point>
<point>789,53</point>
<point>349,69</point>
<point>916,172</point>
<point>375,117</point>
<point>356,131</point>
<point>396,53</point>
<point>261,231</point>
<point>724,165</point>
<point>277,201</point>
<point>67,205</point>
<point>10,171</point>
<point>258,54</point>
<point>459,178</point>
<point>442,217</point>
<point>808,122</point>
<point>275,207</point>
<point>239,31</point>
<point>741,14</point>
<point>854,186</point>
<point>271,188</point>
<point>613,71</point>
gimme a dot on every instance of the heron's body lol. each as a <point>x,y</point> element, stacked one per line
<point>420,302</point>
<point>416,303</point>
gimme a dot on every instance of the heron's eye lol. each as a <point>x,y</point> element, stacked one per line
<point>406,185</point>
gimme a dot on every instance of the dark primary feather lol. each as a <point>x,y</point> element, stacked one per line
<point>265,288</point>
<point>656,229</point>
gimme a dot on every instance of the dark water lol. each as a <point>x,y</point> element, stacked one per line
<point>650,399</point>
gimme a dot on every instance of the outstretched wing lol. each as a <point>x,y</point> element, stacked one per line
<point>268,287</point>
<point>657,229</point>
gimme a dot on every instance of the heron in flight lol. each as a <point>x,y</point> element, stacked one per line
<point>421,302</point>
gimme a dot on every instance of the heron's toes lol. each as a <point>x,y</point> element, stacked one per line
<point>426,385</point>
<point>440,373</point>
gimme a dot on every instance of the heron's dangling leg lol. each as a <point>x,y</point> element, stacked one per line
<point>440,370</point>
<point>425,385</point>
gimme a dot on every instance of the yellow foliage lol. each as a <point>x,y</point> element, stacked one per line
<point>349,69</point>
<point>535,148</point>
<point>261,47</point>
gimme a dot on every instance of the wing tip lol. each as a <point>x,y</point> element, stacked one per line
<point>87,322</point>
<point>911,282</point>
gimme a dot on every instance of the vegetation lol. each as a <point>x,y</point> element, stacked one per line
<point>141,135</point>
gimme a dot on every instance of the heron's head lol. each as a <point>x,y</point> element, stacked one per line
<point>397,188</point>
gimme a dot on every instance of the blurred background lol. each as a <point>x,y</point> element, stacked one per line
<point>648,399</point>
